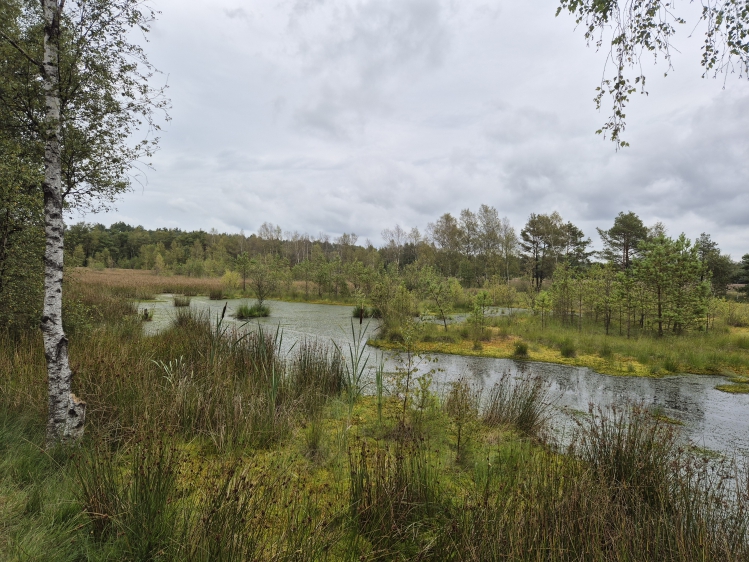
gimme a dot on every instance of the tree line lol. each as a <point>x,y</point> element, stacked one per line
<point>473,248</point>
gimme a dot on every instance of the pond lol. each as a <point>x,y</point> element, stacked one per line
<point>712,419</point>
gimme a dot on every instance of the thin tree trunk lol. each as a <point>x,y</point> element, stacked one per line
<point>66,414</point>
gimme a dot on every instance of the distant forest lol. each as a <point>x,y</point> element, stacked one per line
<point>473,248</point>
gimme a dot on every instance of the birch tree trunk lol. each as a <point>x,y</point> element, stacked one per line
<point>66,414</point>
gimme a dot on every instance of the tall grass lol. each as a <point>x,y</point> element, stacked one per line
<point>521,403</point>
<point>181,300</point>
<point>205,442</point>
<point>245,311</point>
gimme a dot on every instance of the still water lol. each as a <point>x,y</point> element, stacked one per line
<point>712,419</point>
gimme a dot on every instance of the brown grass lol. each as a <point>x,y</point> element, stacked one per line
<point>143,284</point>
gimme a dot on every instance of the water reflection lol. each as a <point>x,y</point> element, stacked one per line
<point>712,419</point>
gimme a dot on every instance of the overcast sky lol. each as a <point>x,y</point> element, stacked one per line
<point>354,115</point>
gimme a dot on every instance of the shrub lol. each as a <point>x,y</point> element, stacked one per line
<point>245,311</point>
<point>606,352</point>
<point>216,294</point>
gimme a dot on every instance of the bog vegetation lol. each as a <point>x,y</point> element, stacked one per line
<point>206,443</point>
<point>647,304</point>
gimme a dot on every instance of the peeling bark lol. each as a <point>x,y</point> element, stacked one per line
<point>66,416</point>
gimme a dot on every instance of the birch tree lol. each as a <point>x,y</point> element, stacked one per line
<point>630,29</point>
<point>83,92</point>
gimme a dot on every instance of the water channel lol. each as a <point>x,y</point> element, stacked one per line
<point>712,419</point>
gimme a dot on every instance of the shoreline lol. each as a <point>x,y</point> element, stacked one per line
<point>620,366</point>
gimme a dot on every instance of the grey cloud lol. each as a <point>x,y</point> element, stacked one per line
<point>352,115</point>
<point>236,13</point>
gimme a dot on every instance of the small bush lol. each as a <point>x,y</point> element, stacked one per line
<point>216,294</point>
<point>606,352</point>
<point>246,311</point>
<point>567,349</point>
<point>181,300</point>
<point>521,349</point>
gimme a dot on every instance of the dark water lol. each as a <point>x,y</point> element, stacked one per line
<point>712,419</point>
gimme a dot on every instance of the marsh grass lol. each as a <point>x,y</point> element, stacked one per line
<point>521,403</point>
<point>216,294</point>
<point>695,352</point>
<point>245,311</point>
<point>181,300</point>
<point>204,442</point>
<point>520,349</point>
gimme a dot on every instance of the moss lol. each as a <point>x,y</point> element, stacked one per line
<point>734,388</point>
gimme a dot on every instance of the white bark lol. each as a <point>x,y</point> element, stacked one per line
<point>66,414</point>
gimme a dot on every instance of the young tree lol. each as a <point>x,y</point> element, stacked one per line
<point>81,91</point>
<point>446,236</point>
<point>266,274</point>
<point>670,270</point>
<point>395,238</point>
<point>243,265</point>
<point>508,244</point>
<point>437,289</point>
<point>542,239</point>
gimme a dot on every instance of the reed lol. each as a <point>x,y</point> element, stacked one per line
<point>246,311</point>
<point>181,300</point>
<point>521,403</point>
<point>206,442</point>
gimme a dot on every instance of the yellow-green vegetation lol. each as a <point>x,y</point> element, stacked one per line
<point>724,351</point>
<point>206,444</point>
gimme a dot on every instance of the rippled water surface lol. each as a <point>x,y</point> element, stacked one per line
<point>712,419</point>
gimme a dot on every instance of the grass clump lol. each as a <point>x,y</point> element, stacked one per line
<point>216,294</point>
<point>181,300</point>
<point>245,311</point>
<point>521,403</point>
<point>520,349</point>
<point>363,311</point>
<point>567,349</point>
<point>670,364</point>
<point>206,442</point>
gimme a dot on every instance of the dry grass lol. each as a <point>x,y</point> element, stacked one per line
<point>144,285</point>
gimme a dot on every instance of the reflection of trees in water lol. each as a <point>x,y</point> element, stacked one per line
<point>713,419</point>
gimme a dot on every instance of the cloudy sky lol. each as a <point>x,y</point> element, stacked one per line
<point>354,115</point>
